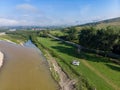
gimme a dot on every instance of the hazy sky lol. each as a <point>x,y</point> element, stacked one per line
<point>56,12</point>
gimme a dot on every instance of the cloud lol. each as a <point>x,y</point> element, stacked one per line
<point>16,22</point>
<point>26,20</point>
<point>5,21</point>
<point>26,8</point>
<point>85,10</point>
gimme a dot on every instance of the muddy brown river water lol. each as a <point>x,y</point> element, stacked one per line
<point>24,69</point>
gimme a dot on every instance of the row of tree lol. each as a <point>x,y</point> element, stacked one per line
<point>107,39</point>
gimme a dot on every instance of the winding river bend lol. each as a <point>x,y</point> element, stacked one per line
<point>24,68</point>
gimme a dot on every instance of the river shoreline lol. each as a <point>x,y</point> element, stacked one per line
<point>31,66</point>
<point>65,82</point>
<point>1,59</point>
<point>2,54</point>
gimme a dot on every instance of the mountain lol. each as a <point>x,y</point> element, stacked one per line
<point>104,23</point>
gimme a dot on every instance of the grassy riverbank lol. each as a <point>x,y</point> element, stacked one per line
<point>12,38</point>
<point>94,71</point>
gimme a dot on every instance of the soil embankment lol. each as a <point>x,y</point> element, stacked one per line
<point>65,82</point>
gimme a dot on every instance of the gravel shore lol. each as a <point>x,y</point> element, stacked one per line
<point>1,59</point>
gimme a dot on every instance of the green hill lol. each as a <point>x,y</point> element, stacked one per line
<point>104,23</point>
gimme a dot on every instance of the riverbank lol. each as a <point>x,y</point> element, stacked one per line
<point>1,59</point>
<point>10,41</point>
<point>64,54</point>
<point>61,77</point>
<point>35,73</point>
<point>63,80</point>
<point>1,53</point>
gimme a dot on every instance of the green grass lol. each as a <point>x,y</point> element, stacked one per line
<point>55,74</point>
<point>57,33</point>
<point>68,53</point>
<point>109,69</point>
<point>12,38</point>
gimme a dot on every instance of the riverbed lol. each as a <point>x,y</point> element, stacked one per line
<point>24,69</point>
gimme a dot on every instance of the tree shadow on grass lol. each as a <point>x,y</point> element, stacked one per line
<point>72,51</point>
<point>54,40</point>
<point>62,42</point>
<point>113,67</point>
<point>95,58</point>
<point>66,50</point>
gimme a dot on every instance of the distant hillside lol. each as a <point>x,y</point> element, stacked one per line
<point>104,23</point>
<point>111,20</point>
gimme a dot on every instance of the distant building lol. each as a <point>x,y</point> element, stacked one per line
<point>75,62</point>
<point>12,30</point>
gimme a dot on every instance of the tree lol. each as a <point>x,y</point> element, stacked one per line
<point>72,34</point>
<point>107,39</point>
<point>86,36</point>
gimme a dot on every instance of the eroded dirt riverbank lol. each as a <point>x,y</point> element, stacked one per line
<point>65,82</point>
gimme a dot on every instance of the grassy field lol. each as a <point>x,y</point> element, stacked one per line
<point>13,38</point>
<point>99,71</point>
<point>57,33</point>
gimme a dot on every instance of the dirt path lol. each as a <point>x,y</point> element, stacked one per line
<point>100,75</point>
<point>65,82</point>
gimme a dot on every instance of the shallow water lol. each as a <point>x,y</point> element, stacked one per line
<point>24,69</point>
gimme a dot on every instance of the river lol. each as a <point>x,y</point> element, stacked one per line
<point>24,68</point>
